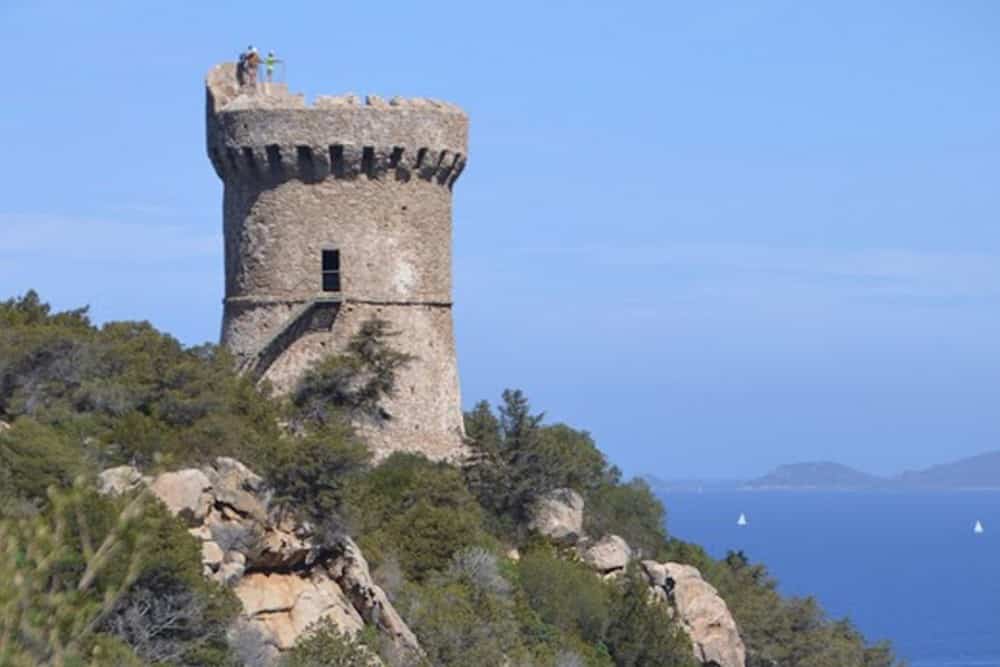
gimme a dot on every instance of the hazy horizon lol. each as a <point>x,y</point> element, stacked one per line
<point>721,239</point>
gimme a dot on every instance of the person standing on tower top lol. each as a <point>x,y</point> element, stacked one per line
<point>250,61</point>
<point>269,62</point>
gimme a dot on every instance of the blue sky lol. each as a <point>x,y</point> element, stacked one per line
<point>721,236</point>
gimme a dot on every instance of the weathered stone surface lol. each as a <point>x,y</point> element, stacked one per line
<point>184,493</point>
<point>351,570</point>
<point>372,181</point>
<point>237,487</point>
<point>559,515</point>
<point>655,572</point>
<point>702,613</point>
<point>229,573</point>
<point>116,481</point>
<point>608,554</point>
<point>292,580</point>
<point>211,554</point>
<point>283,606</point>
<point>281,549</point>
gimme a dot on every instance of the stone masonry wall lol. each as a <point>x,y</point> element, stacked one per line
<point>372,181</point>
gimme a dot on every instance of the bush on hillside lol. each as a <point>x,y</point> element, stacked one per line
<point>309,474</point>
<point>416,511</point>
<point>80,575</point>
<point>131,393</point>
<point>566,594</point>
<point>34,457</point>
<point>326,646</point>
<point>519,458</point>
<point>356,382</point>
<point>630,510</point>
<point>641,633</point>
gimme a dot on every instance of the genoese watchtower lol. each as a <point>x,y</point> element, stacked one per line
<point>336,213</point>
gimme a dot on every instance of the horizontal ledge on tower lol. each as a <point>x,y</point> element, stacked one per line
<point>275,163</point>
<point>324,298</point>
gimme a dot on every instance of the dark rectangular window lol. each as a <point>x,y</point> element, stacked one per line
<point>331,270</point>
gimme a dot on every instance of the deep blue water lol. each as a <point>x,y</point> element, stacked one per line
<point>903,566</point>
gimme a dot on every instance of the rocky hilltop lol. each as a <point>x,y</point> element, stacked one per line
<point>287,578</point>
<point>157,507</point>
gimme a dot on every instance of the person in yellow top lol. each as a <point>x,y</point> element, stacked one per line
<point>269,62</point>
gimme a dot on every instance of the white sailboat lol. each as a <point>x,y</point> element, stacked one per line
<point>978,528</point>
<point>742,521</point>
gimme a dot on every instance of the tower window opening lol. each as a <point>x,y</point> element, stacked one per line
<point>331,270</point>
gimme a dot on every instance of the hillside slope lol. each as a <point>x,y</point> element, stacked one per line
<point>212,557</point>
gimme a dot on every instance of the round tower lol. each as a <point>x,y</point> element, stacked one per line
<point>336,213</point>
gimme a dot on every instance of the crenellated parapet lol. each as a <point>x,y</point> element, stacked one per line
<point>267,134</point>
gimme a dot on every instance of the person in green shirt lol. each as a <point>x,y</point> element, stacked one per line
<point>269,62</point>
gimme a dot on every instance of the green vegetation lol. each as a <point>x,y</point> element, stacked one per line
<point>91,580</point>
<point>326,646</point>
<point>75,575</point>
<point>416,512</point>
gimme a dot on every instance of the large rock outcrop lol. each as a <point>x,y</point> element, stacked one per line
<point>607,555</point>
<point>559,515</point>
<point>286,578</point>
<point>702,613</point>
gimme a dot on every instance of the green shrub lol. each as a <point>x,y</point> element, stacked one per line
<point>630,510</point>
<point>137,394</point>
<point>117,576</point>
<point>34,457</point>
<point>355,382</point>
<point>309,474</point>
<point>641,633</point>
<point>518,458</point>
<point>566,594</point>
<point>418,511</point>
<point>459,626</point>
<point>326,646</point>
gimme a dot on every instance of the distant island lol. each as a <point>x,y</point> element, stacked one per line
<point>973,473</point>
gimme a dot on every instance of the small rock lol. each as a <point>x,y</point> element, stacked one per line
<point>559,515</point>
<point>4,426</point>
<point>211,554</point>
<point>229,573</point>
<point>116,481</point>
<point>236,557</point>
<point>514,555</point>
<point>608,554</point>
<point>202,532</point>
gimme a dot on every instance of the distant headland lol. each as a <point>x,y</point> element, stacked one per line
<point>981,472</point>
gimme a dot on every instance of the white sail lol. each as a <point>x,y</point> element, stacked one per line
<point>742,521</point>
<point>978,529</point>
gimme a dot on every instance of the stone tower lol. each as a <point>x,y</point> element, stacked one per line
<point>336,213</point>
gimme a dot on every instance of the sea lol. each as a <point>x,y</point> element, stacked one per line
<point>903,566</point>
